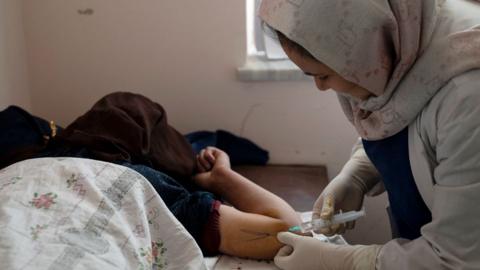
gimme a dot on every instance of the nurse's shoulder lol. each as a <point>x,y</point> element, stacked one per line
<point>449,125</point>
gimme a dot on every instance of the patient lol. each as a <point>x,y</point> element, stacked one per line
<point>249,228</point>
<point>132,131</point>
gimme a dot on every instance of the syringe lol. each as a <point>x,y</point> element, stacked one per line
<point>317,224</point>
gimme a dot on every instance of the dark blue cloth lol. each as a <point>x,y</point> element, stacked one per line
<point>240,150</point>
<point>391,158</point>
<point>192,209</point>
<point>20,129</point>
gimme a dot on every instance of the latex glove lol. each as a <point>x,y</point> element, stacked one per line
<point>308,253</point>
<point>346,191</point>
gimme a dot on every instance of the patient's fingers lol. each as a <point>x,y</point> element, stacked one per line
<point>209,155</point>
<point>200,166</point>
<point>206,165</point>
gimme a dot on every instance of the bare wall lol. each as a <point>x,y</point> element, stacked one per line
<point>13,60</point>
<point>183,54</point>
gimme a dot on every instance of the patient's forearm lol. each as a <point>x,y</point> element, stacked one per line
<point>249,235</point>
<point>249,197</point>
<point>249,229</point>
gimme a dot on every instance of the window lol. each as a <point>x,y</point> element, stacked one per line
<point>266,60</point>
<point>259,41</point>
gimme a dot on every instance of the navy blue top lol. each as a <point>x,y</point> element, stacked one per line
<point>391,158</point>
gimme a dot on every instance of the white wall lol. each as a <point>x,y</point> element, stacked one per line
<point>182,54</point>
<point>13,61</point>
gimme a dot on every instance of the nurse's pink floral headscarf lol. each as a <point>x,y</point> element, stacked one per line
<point>385,46</point>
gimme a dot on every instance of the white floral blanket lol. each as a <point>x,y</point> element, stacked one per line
<point>69,213</point>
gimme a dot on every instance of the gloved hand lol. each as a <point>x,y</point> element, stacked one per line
<point>346,191</point>
<point>308,253</point>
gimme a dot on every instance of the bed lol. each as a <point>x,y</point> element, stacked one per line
<point>74,213</point>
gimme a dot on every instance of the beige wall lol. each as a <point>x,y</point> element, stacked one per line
<point>13,60</point>
<point>182,54</point>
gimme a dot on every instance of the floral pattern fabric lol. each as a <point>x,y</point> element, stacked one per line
<point>70,213</point>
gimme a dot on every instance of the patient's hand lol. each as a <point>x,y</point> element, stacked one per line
<point>212,164</point>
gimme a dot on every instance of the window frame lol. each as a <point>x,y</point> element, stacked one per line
<point>258,65</point>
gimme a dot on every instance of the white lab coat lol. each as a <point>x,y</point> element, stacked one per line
<point>444,148</point>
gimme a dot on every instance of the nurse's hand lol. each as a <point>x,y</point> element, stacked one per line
<point>342,193</point>
<point>346,191</point>
<point>308,253</point>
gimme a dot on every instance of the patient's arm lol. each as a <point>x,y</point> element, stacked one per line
<point>249,228</point>
<point>249,235</point>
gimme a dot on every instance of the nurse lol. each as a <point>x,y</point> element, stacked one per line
<point>407,74</point>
